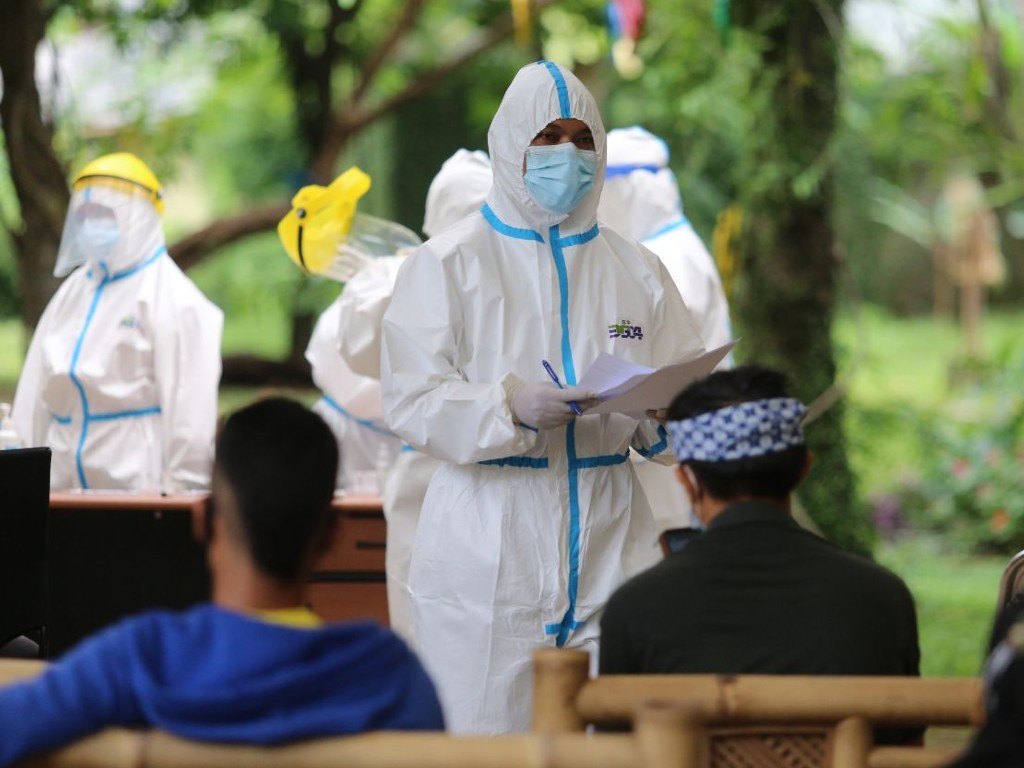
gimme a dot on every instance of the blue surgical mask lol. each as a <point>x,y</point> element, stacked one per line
<point>96,238</point>
<point>558,176</point>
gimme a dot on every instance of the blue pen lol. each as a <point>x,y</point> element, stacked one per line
<point>554,378</point>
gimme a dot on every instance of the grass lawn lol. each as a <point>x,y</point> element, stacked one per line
<point>955,596</point>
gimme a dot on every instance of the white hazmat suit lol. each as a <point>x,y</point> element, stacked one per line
<point>121,376</point>
<point>458,190</point>
<point>641,199</point>
<point>350,404</point>
<point>523,533</point>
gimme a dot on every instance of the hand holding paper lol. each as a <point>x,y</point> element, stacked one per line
<point>624,387</point>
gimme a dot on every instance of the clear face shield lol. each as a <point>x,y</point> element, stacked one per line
<point>369,238</point>
<point>105,219</point>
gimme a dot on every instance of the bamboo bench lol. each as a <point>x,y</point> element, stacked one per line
<point>762,720</point>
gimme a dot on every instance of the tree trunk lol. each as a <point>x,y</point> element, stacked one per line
<point>38,177</point>
<point>790,267</point>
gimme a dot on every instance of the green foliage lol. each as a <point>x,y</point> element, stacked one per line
<point>13,343</point>
<point>933,440</point>
<point>900,384</point>
<point>260,289</point>
<point>246,114</point>
<point>572,39</point>
<point>697,96</point>
<point>10,299</point>
<point>152,118</point>
<point>906,127</point>
<point>972,486</point>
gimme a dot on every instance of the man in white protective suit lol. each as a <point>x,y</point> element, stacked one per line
<point>534,518</point>
<point>458,190</point>
<point>350,404</point>
<point>121,376</point>
<point>641,200</point>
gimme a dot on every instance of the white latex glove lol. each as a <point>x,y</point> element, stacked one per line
<point>544,406</point>
<point>348,262</point>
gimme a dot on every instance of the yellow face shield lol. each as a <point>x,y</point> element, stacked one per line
<point>325,236</point>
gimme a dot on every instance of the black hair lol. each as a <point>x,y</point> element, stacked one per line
<point>774,475</point>
<point>281,461</point>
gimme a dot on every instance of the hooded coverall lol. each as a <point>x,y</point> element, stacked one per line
<point>523,534</point>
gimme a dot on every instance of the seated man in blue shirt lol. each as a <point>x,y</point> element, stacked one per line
<point>254,666</point>
<point>754,593</point>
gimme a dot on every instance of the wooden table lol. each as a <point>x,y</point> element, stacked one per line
<point>113,554</point>
<point>348,579</point>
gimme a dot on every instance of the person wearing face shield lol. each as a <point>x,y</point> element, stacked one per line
<point>120,379</point>
<point>458,190</point>
<point>325,237</point>
<point>534,517</point>
<point>641,199</point>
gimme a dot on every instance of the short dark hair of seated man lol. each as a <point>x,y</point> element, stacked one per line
<point>254,666</point>
<point>755,592</point>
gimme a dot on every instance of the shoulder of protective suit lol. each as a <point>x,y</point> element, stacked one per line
<point>175,289</point>
<point>614,236</point>
<point>649,256</point>
<point>626,246</point>
<point>456,238</point>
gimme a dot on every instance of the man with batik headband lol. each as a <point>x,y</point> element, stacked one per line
<point>754,593</point>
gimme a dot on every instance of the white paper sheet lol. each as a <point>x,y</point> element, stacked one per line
<point>625,387</point>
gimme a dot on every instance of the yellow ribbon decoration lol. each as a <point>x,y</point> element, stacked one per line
<point>724,245</point>
<point>521,21</point>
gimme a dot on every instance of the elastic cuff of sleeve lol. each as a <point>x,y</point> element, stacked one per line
<point>510,383</point>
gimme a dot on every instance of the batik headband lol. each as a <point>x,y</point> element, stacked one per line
<point>739,431</point>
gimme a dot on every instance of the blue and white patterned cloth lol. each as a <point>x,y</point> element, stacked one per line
<point>740,431</point>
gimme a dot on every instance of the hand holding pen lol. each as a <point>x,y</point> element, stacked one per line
<point>541,406</point>
<point>554,377</point>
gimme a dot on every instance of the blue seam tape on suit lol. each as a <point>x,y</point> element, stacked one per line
<point>682,221</point>
<point>561,87</point>
<point>87,415</point>
<point>575,463</point>
<point>365,423</point>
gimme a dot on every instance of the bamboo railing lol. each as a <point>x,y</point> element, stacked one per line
<point>840,710</point>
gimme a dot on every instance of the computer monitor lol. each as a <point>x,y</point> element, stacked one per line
<point>114,555</point>
<point>24,501</point>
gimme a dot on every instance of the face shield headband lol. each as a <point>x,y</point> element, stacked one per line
<point>740,431</point>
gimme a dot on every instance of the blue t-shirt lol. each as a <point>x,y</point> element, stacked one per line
<point>214,675</point>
